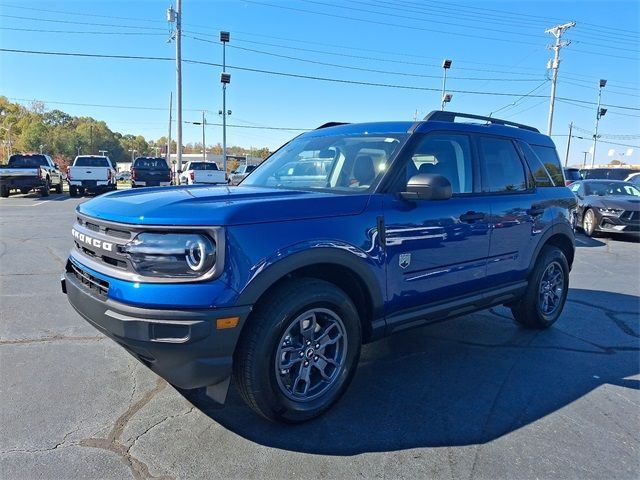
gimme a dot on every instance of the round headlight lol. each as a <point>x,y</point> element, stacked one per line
<point>196,254</point>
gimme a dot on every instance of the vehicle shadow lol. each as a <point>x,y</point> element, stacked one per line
<point>466,381</point>
<point>589,242</point>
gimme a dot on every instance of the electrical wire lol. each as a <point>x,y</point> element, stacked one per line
<point>294,75</point>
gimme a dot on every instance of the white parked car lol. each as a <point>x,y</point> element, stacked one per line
<point>239,173</point>
<point>202,172</point>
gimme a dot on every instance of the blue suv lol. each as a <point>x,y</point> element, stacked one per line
<point>345,234</point>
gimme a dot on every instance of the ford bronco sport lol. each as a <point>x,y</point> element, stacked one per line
<point>345,234</point>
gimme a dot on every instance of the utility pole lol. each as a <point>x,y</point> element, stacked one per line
<point>566,158</point>
<point>169,136</point>
<point>204,148</point>
<point>175,16</point>
<point>91,139</point>
<point>599,114</point>
<point>557,32</point>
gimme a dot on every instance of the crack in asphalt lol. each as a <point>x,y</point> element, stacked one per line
<point>52,338</point>
<point>113,442</point>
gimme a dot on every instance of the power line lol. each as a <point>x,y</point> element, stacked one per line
<point>70,22</point>
<point>349,67</point>
<point>34,30</point>
<point>513,104</point>
<point>294,75</point>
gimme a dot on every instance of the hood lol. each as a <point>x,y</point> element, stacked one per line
<point>219,205</point>
<point>623,202</point>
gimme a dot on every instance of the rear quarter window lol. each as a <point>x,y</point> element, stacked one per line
<point>549,158</point>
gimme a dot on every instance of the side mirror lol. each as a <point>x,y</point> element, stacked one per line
<point>427,186</point>
<point>179,172</point>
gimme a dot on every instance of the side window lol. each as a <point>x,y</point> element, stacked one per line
<point>448,155</point>
<point>575,187</point>
<point>502,169</point>
<point>551,162</point>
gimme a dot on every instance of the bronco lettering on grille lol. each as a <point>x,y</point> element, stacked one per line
<point>92,242</point>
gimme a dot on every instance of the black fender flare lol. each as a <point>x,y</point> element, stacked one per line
<point>360,264</point>
<point>560,228</point>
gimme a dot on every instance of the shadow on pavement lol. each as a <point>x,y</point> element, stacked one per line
<point>466,381</point>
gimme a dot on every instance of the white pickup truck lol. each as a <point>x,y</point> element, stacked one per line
<point>202,172</point>
<point>25,172</point>
<point>91,173</point>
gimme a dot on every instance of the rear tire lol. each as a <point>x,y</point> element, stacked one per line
<point>298,351</point>
<point>46,189</point>
<point>59,187</point>
<point>4,191</point>
<point>24,191</point>
<point>73,191</point>
<point>546,293</point>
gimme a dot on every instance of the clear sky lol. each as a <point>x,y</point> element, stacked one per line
<point>496,47</point>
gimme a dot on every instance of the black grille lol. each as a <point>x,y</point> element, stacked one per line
<point>109,233</point>
<point>92,283</point>
<point>630,216</point>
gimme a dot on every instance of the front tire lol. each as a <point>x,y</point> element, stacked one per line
<point>4,191</point>
<point>546,293</point>
<point>73,191</point>
<point>59,187</point>
<point>589,222</point>
<point>299,351</point>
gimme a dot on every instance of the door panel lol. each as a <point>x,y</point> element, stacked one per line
<point>431,254</point>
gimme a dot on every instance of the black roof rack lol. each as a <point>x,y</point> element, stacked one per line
<point>441,116</point>
<point>331,124</point>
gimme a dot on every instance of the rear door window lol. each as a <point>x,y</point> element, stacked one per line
<point>502,169</point>
<point>551,162</point>
<point>29,161</point>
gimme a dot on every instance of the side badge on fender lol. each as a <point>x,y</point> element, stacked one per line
<point>404,260</point>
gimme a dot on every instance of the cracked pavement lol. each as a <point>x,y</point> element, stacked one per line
<point>474,397</point>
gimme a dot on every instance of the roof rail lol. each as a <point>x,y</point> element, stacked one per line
<point>442,116</point>
<point>331,124</point>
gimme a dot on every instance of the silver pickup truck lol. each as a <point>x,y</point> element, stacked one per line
<point>26,172</point>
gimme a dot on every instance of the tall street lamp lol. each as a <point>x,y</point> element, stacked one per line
<point>600,112</point>
<point>225,79</point>
<point>133,152</point>
<point>446,65</point>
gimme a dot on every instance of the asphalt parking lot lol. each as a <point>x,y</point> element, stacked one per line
<point>474,397</point>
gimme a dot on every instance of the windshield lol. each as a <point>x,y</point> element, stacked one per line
<point>91,162</point>
<point>33,161</point>
<point>611,188</point>
<point>341,163</point>
<point>203,166</point>
<point>157,163</point>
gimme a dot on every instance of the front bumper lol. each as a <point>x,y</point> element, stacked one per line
<point>21,182</point>
<point>185,347</point>
<point>612,224</point>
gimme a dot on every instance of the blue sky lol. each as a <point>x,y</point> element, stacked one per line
<point>496,47</point>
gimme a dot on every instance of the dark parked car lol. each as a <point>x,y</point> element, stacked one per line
<point>348,233</point>
<point>606,173</point>
<point>150,172</point>
<point>610,206</point>
<point>571,175</point>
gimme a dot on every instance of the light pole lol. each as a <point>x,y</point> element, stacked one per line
<point>41,147</point>
<point>133,152</point>
<point>446,65</point>
<point>600,112</point>
<point>156,148</point>
<point>225,79</point>
<point>79,148</point>
<point>103,152</point>
<point>584,162</point>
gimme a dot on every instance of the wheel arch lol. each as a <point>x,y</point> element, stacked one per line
<point>561,236</point>
<point>345,270</point>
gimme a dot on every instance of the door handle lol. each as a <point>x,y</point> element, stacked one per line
<point>534,211</point>
<point>471,216</point>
